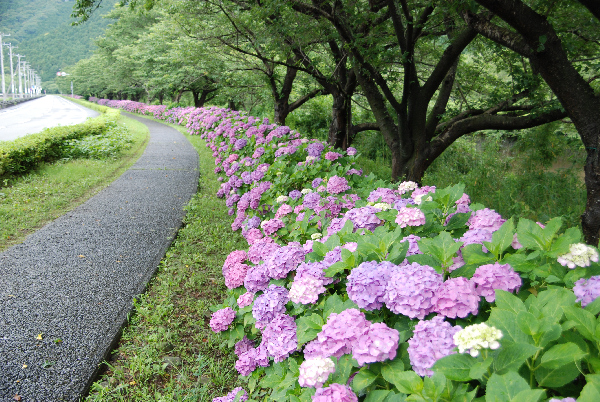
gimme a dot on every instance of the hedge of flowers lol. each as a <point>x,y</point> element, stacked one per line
<point>353,288</point>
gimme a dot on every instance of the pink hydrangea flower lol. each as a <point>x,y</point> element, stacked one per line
<point>485,219</point>
<point>456,297</point>
<point>335,393</point>
<point>221,319</point>
<point>377,344</point>
<point>306,290</point>
<point>431,341</point>
<point>337,185</point>
<point>331,156</point>
<point>410,217</point>
<point>234,277</point>
<point>245,299</point>
<point>490,277</point>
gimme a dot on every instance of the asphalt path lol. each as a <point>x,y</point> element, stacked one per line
<point>37,114</point>
<point>66,291</point>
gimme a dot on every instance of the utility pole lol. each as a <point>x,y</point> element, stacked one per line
<point>19,73</point>
<point>2,66</point>
<point>12,74</point>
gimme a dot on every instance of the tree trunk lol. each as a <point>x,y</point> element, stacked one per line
<point>281,110</point>
<point>231,104</point>
<point>339,129</point>
<point>161,98</point>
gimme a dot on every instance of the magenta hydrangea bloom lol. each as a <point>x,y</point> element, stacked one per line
<point>283,210</point>
<point>364,218</point>
<point>230,397</point>
<point>271,226</point>
<point>587,290</point>
<point>411,288</point>
<point>245,299</point>
<point>331,156</point>
<point>243,346</point>
<point>367,283</point>
<point>234,277</point>
<point>257,278</point>
<point>335,393</point>
<point>340,332</point>
<point>410,217</point>
<point>431,341</point>
<point>311,200</point>
<point>262,250</point>
<point>269,305</point>
<point>456,297</point>
<point>485,219</point>
<point>337,185</point>
<point>280,338</point>
<point>235,257</point>
<point>351,151</point>
<point>490,277</point>
<point>221,319</point>
<point>377,344</point>
<point>284,260</point>
<point>253,235</point>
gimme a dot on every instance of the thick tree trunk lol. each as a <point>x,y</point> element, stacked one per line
<point>281,110</point>
<point>231,104</point>
<point>161,98</point>
<point>339,129</point>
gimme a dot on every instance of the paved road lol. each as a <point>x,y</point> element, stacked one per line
<point>35,115</point>
<point>66,290</point>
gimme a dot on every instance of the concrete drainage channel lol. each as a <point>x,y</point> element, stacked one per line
<point>66,291</point>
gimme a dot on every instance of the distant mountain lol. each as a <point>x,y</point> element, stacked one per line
<point>43,32</point>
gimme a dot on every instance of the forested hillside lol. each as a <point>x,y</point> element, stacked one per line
<point>43,32</point>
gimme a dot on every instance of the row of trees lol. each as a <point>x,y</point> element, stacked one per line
<point>427,71</point>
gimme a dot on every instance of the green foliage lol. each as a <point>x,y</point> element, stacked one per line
<point>25,153</point>
<point>109,144</point>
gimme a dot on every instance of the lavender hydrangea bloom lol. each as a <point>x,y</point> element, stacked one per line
<point>280,338</point>
<point>431,341</point>
<point>490,277</point>
<point>337,185</point>
<point>246,363</point>
<point>411,288</point>
<point>272,225</point>
<point>257,278</point>
<point>311,200</point>
<point>410,217</point>
<point>245,299</point>
<point>262,250</point>
<point>351,151</point>
<point>230,397</point>
<point>335,393</point>
<point>364,218</point>
<point>315,149</point>
<point>485,219</point>
<point>295,195</point>
<point>367,283</point>
<point>243,346</point>
<point>333,256</point>
<point>253,222</point>
<point>340,332</point>
<point>314,270</point>
<point>269,305</point>
<point>221,319</point>
<point>413,244</point>
<point>316,182</point>
<point>239,144</point>
<point>284,260</point>
<point>377,344</point>
<point>382,194</point>
<point>235,257</point>
<point>331,156</point>
<point>246,177</point>
<point>476,236</point>
<point>234,277</point>
<point>456,297</point>
<point>336,225</point>
<point>403,202</point>
<point>587,290</point>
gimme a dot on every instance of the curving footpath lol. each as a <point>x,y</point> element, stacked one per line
<point>73,281</point>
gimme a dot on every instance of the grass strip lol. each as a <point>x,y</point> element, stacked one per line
<point>30,201</point>
<point>168,352</point>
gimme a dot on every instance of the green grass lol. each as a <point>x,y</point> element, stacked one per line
<point>171,319</point>
<point>30,201</point>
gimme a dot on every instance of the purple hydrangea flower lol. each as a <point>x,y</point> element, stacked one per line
<point>456,297</point>
<point>382,194</point>
<point>245,299</point>
<point>234,277</point>
<point>413,244</point>
<point>280,338</point>
<point>431,341</point>
<point>340,332</point>
<point>221,319</point>
<point>272,225</point>
<point>316,182</point>
<point>333,256</point>
<point>315,149</point>
<point>490,277</point>
<point>284,260</point>
<point>485,219</point>
<point>235,257</point>
<point>411,288</point>
<point>364,218</point>
<point>587,290</point>
<point>311,200</point>
<point>410,217</point>
<point>306,289</point>
<point>295,195</point>
<point>230,397</point>
<point>476,236</point>
<point>367,283</point>
<point>331,156</point>
<point>337,185</point>
<point>239,144</point>
<point>377,344</point>
<point>351,151</point>
<point>262,250</point>
<point>269,305</point>
<point>335,393</point>
<point>243,346</point>
<point>257,278</point>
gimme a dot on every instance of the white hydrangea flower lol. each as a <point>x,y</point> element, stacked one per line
<point>310,159</point>
<point>419,199</point>
<point>316,236</point>
<point>476,337</point>
<point>407,186</point>
<point>579,255</point>
<point>231,192</point>
<point>306,191</point>
<point>314,372</point>
<point>306,290</point>
<point>281,198</point>
<point>384,206</point>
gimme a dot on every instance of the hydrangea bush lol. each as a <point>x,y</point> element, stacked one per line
<point>353,288</point>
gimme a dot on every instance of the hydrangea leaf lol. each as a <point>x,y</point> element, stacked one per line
<point>308,327</point>
<point>473,254</point>
<point>558,377</point>
<point>332,242</point>
<point>561,355</point>
<point>398,252</point>
<point>434,386</point>
<point>502,238</point>
<point>593,307</point>
<point>319,248</point>
<point>443,247</point>
<point>551,229</point>
<point>528,323</point>
<point>511,357</point>
<point>530,235</point>
<point>394,397</point>
<point>343,368</point>
<point>505,321</point>
<point>551,302</point>
<point>507,301</point>
<point>407,382</point>
<point>455,367</point>
<point>377,395</point>
<point>458,221</point>
<point>585,322</point>
<point>479,369</point>
<point>561,245</point>
<point>519,262</point>
<point>425,259</point>
<point>505,387</point>
<point>591,391</point>
<point>529,395</point>
<point>363,379</point>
